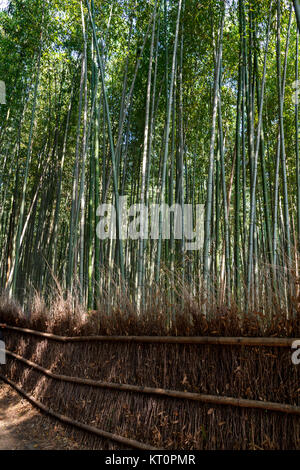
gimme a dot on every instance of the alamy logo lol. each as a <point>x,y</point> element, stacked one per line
<point>2,92</point>
<point>296,354</point>
<point>295,95</point>
<point>140,221</point>
<point>2,353</point>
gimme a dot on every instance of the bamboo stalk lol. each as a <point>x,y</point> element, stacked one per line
<point>65,419</point>
<point>203,398</point>
<point>222,340</point>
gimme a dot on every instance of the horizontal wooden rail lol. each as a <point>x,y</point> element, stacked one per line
<point>85,427</point>
<point>230,341</point>
<point>217,400</point>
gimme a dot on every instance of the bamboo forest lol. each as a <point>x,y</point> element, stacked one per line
<point>169,103</point>
<point>149,227</point>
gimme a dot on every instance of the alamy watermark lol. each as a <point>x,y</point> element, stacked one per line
<point>140,221</point>
<point>295,95</point>
<point>296,354</point>
<point>2,353</point>
<point>2,92</point>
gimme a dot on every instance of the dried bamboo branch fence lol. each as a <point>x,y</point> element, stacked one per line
<point>64,419</point>
<point>230,341</point>
<point>272,342</point>
<point>243,403</point>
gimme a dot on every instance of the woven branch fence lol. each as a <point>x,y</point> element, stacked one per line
<point>161,392</point>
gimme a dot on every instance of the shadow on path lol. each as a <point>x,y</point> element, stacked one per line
<point>22,427</point>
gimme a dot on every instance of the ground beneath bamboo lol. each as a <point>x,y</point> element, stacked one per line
<point>22,427</point>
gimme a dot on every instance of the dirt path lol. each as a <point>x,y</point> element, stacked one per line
<point>7,440</point>
<point>22,427</point>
